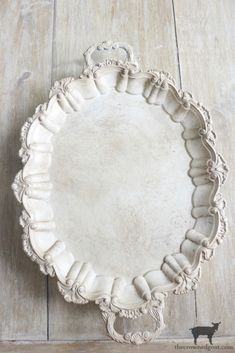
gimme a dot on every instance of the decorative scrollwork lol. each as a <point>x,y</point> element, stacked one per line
<point>182,279</point>
<point>154,308</point>
<point>188,282</point>
<point>218,169</point>
<point>61,86</point>
<point>19,186</point>
<point>72,294</point>
<point>207,253</point>
<point>90,67</point>
<point>26,223</point>
<point>24,152</point>
<point>207,131</point>
<point>161,76</point>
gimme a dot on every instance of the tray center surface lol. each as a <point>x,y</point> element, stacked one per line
<point>121,193</point>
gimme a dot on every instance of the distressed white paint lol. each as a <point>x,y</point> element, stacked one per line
<point>78,321</point>
<point>113,196</point>
<point>114,290</point>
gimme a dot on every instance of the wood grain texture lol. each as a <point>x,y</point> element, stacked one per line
<point>146,25</point>
<point>25,42</point>
<point>163,346</point>
<point>43,41</point>
<point>205,31</point>
<point>149,27</point>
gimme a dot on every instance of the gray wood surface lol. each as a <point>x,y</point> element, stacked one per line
<point>42,41</point>
<point>209,57</point>
<point>25,69</point>
<point>163,346</point>
<point>136,22</point>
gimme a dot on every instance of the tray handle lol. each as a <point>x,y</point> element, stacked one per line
<point>109,45</point>
<point>154,308</point>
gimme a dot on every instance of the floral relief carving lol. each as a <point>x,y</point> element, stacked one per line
<point>72,294</point>
<point>19,186</point>
<point>154,308</point>
<point>26,223</point>
<point>207,132</point>
<point>161,77</point>
<point>207,254</point>
<point>24,152</point>
<point>61,87</point>
<point>218,169</point>
<point>188,282</point>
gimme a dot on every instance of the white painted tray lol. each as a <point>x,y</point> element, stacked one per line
<point>120,189</point>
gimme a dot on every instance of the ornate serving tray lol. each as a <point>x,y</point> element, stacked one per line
<point>120,188</point>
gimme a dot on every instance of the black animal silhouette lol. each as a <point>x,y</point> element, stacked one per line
<point>205,331</point>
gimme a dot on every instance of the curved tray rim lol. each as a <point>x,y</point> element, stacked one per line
<point>64,100</point>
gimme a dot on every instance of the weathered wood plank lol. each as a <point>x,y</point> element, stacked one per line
<point>206,35</point>
<point>149,27</point>
<point>164,346</point>
<point>25,68</point>
<point>146,25</point>
<point>25,64</point>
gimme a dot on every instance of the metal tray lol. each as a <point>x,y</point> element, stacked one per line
<point>135,206</point>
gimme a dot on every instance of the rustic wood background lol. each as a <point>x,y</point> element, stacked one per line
<point>42,41</point>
